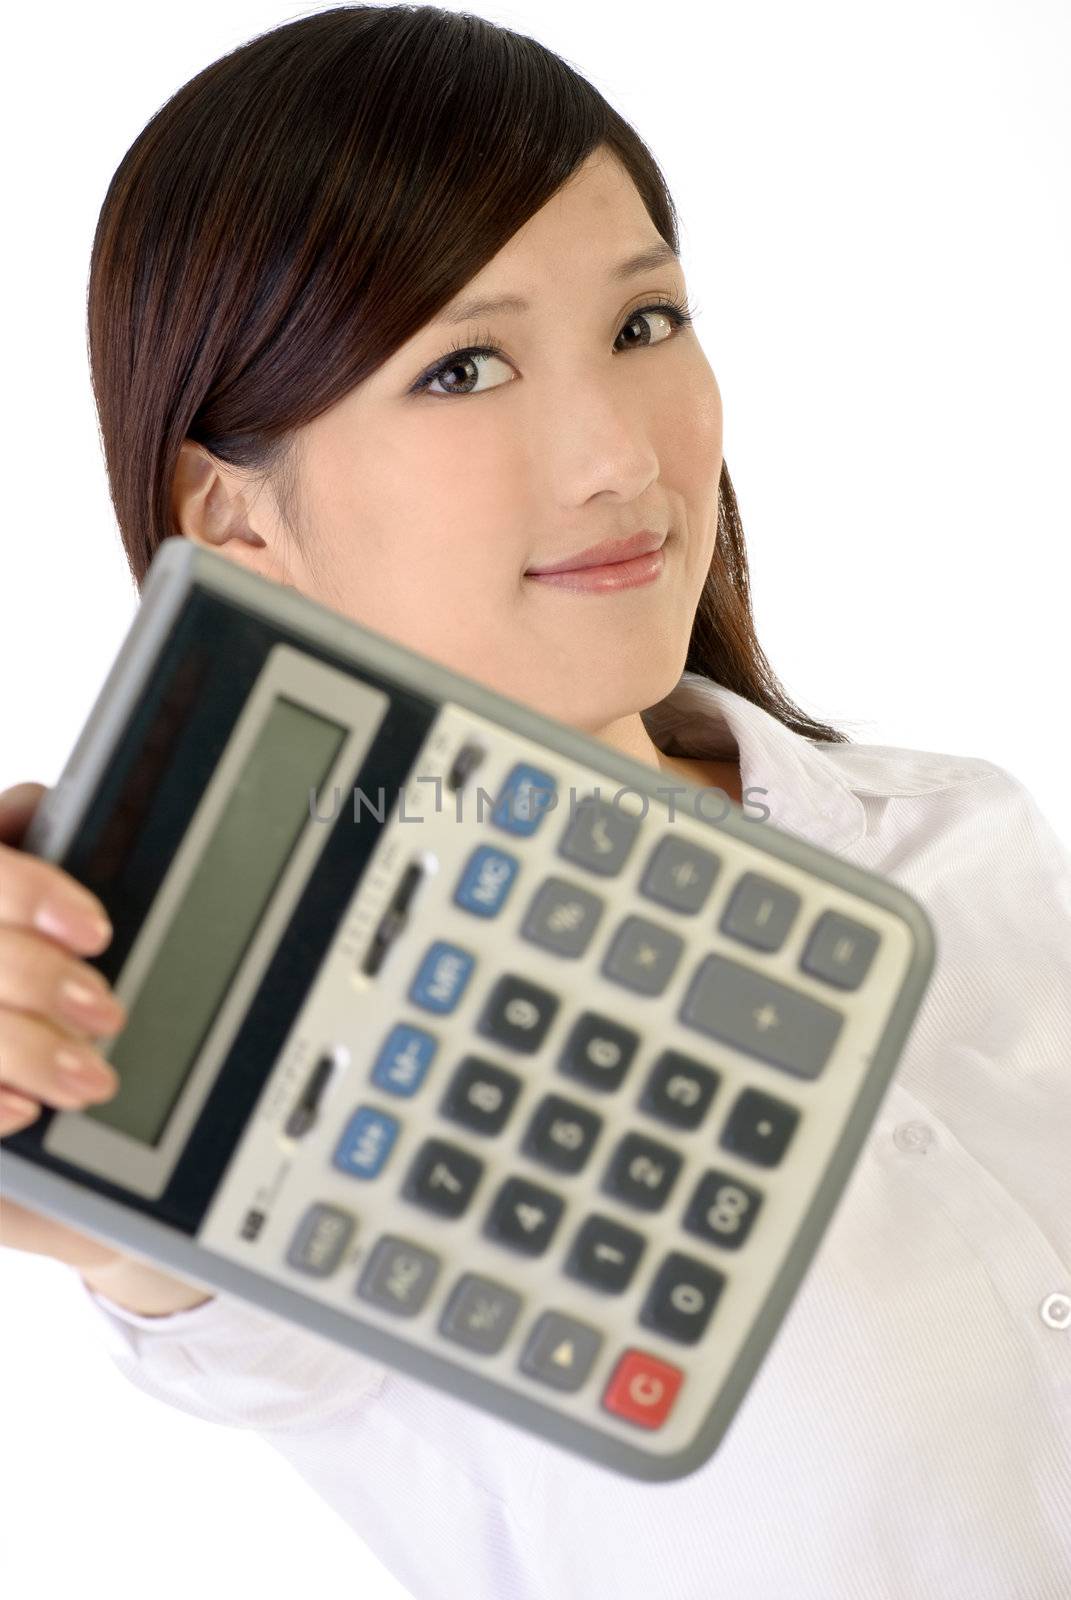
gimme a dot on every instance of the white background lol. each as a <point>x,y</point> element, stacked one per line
<point>875,230</point>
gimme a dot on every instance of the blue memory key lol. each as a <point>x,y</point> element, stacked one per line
<point>443,974</point>
<point>365,1143</point>
<point>486,881</point>
<point>403,1060</point>
<point>526,795</point>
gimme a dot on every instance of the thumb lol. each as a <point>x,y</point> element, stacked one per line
<point>17,806</point>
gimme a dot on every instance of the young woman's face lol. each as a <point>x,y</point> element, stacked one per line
<point>423,513</point>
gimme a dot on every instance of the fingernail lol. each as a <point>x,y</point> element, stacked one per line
<point>84,1072</point>
<point>18,1103</point>
<point>77,921</point>
<point>84,1002</point>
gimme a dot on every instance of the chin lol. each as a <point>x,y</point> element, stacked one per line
<point>590,701</point>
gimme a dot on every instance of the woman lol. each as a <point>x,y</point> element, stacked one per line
<point>284,372</point>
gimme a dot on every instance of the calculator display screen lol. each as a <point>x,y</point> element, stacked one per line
<point>219,911</point>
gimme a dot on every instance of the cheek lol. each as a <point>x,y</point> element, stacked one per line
<point>689,435</point>
<point>438,587</point>
<point>410,536</point>
<point>691,450</point>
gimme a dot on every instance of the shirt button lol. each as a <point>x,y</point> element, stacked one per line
<point>913,1136</point>
<point>1056,1311</point>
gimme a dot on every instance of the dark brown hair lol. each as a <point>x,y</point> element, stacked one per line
<point>298,210</point>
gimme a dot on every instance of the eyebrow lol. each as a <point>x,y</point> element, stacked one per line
<point>656,255</point>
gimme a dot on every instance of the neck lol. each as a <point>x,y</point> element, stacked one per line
<point>629,735</point>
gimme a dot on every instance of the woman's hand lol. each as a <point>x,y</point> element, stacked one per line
<point>51,1004</point>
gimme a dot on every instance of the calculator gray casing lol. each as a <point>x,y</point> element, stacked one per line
<point>180,565</point>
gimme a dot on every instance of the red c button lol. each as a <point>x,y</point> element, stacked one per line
<point>642,1389</point>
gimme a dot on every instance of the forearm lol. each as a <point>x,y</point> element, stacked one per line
<point>143,1289</point>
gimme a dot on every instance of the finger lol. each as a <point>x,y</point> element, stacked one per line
<point>17,806</point>
<point>38,976</point>
<point>38,1061</point>
<point>38,894</point>
<point>16,1111</point>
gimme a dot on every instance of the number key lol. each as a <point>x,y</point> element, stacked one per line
<point>642,1172</point>
<point>722,1209</point>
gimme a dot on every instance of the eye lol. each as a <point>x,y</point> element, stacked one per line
<point>462,361</point>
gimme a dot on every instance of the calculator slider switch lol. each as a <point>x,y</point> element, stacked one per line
<point>464,763</point>
<point>393,919</point>
<point>305,1110</point>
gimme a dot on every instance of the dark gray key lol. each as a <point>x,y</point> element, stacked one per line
<point>518,1013</point>
<point>480,1314</point>
<point>760,912</point>
<point>840,950</point>
<point>560,1351</point>
<point>562,917</point>
<point>398,1276</point>
<point>680,874</point>
<point>599,836</point>
<point>643,955</point>
<point>760,1016</point>
<point>321,1237</point>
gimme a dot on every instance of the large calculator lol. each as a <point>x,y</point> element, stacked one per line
<point>454,1035</point>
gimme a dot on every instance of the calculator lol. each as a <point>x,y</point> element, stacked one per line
<point>454,1036</point>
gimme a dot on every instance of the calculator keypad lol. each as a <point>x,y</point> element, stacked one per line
<point>480,1095</point>
<point>366,1142</point>
<point>643,955</point>
<point>480,1314</point>
<point>441,980</point>
<point>321,1238</point>
<point>561,1133</point>
<point>643,1389</point>
<point>443,1178</point>
<point>518,1013</point>
<point>599,837</point>
<point>722,1209</point>
<point>679,1090</point>
<point>399,1276</point>
<point>561,1351</point>
<point>486,881</point>
<point>404,1058</point>
<point>759,1127</point>
<point>524,799</point>
<point>580,1122</point>
<point>563,917</point>
<point>642,1172</point>
<point>680,874</point>
<point>682,1298</point>
<point>598,1052</point>
<point>760,913</point>
<point>605,1254</point>
<point>764,1018</point>
<point>839,950</point>
<point>524,1216</point>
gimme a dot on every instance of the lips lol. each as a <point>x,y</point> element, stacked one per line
<point>607,553</point>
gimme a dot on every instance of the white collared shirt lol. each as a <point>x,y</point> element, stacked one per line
<point>909,1432</point>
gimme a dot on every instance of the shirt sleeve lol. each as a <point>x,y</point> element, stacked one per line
<point>465,1476</point>
<point>228,1362</point>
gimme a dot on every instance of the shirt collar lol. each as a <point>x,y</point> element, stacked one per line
<point>805,790</point>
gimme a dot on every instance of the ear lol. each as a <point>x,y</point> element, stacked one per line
<point>208,503</point>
